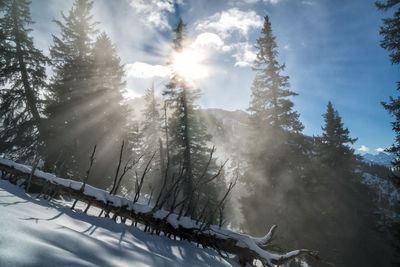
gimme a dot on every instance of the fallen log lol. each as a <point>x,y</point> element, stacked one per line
<point>246,248</point>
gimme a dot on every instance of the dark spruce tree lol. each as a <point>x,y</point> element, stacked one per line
<point>135,138</point>
<point>107,111</point>
<point>152,140</point>
<point>23,80</point>
<point>335,150</point>
<point>391,30</point>
<point>68,105</point>
<point>180,97</point>
<point>188,140</point>
<point>152,121</point>
<point>275,146</point>
<point>269,103</point>
<point>341,201</point>
<point>86,105</point>
<point>391,35</point>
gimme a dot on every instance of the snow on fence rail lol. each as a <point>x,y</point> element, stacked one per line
<point>246,248</point>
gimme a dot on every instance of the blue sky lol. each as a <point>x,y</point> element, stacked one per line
<point>330,48</point>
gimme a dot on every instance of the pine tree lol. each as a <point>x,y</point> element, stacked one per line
<point>276,151</point>
<point>107,111</point>
<point>108,105</point>
<point>135,139</point>
<point>274,128</point>
<point>152,140</point>
<point>390,42</point>
<point>181,98</point>
<point>391,30</point>
<point>336,198</point>
<point>335,142</point>
<point>23,75</point>
<point>188,135</point>
<point>86,104</point>
<point>152,121</point>
<point>70,89</point>
<point>269,103</point>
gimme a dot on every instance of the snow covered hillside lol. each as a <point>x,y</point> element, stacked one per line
<point>36,233</point>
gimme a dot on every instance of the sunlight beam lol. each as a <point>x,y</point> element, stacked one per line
<point>189,65</point>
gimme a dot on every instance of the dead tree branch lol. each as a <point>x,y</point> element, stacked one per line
<point>140,183</point>
<point>118,167</point>
<point>82,189</point>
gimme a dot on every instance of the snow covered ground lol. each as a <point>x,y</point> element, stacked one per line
<point>36,233</point>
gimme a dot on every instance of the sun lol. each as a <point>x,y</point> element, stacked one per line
<point>189,64</point>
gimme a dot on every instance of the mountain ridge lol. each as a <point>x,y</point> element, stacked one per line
<point>381,158</point>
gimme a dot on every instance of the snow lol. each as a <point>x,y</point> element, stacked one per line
<point>98,194</point>
<point>242,240</point>
<point>37,233</point>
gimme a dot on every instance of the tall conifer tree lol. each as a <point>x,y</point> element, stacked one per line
<point>188,142</point>
<point>269,103</point>
<point>70,89</point>
<point>181,97</point>
<point>275,147</point>
<point>108,108</point>
<point>390,42</point>
<point>152,121</point>
<point>335,142</point>
<point>152,139</point>
<point>86,105</point>
<point>391,30</point>
<point>22,73</point>
<point>107,116</point>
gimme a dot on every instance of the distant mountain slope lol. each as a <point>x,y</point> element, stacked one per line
<point>35,233</point>
<point>384,187</point>
<point>381,158</point>
<point>227,126</point>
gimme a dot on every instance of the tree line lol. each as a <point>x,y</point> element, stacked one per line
<point>81,110</point>
<point>312,186</point>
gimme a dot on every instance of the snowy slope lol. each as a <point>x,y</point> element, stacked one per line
<point>36,233</point>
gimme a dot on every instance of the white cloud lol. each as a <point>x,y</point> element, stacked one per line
<point>227,48</point>
<point>307,3</point>
<point>232,20</point>
<point>143,70</point>
<point>379,149</point>
<point>363,148</point>
<point>244,55</point>
<point>208,39</point>
<point>226,31</point>
<point>153,13</point>
<point>272,1</point>
<point>266,1</point>
<point>242,64</point>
